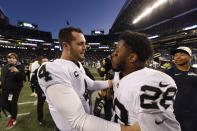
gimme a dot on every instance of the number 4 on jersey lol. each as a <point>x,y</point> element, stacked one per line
<point>43,73</point>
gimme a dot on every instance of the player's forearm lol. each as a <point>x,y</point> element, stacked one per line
<point>96,85</point>
<point>93,123</point>
<point>68,104</point>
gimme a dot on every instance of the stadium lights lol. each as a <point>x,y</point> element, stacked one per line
<point>149,10</point>
<point>37,40</point>
<point>107,50</point>
<point>11,47</point>
<point>47,44</point>
<point>103,47</point>
<point>94,43</point>
<point>57,46</point>
<point>190,27</point>
<point>27,25</point>
<point>4,41</point>
<point>97,32</point>
<point>152,37</point>
<point>31,44</point>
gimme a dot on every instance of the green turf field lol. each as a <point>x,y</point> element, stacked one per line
<point>29,122</point>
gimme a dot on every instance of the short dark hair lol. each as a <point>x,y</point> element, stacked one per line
<point>65,34</point>
<point>12,54</point>
<point>40,58</point>
<point>138,43</point>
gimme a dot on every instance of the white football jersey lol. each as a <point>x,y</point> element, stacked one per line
<point>35,65</point>
<point>145,96</point>
<point>68,73</point>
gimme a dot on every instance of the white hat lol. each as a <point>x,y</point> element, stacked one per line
<point>183,49</point>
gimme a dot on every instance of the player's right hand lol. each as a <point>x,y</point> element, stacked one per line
<point>134,127</point>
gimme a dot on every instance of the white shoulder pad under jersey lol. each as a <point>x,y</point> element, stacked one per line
<point>145,96</point>
<point>66,73</point>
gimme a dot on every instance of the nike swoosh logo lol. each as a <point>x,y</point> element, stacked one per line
<point>162,84</point>
<point>160,122</point>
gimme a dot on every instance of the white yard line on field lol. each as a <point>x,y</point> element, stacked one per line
<point>21,114</point>
<point>28,102</point>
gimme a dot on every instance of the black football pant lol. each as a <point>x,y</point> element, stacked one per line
<point>40,104</point>
<point>32,86</point>
<point>27,76</point>
<point>11,106</point>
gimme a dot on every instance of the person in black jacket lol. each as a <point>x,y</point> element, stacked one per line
<point>12,76</point>
<point>185,76</point>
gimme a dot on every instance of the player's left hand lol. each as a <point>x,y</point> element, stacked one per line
<point>134,127</point>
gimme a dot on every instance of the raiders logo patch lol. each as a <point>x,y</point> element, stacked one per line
<point>76,74</point>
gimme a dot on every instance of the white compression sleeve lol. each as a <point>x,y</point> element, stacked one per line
<point>96,85</point>
<point>68,104</point>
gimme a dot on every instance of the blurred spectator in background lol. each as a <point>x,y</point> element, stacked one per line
<point>12,76</point>
<point>33,67</point>
<point>164,63</point>
<point>27,72</point>
<point>104,97</point>
<point>41,97</point>
<point>185,76</point>
<point>105,67</point>
<point>98,64</point>
<point>102,69</point>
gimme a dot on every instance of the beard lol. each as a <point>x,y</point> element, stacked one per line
<point>119,67</point>
<point>80,57</point>
<point>76,56</point>
<point>115,70</point>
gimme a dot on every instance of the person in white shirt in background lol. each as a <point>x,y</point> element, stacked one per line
<point>35,65</point>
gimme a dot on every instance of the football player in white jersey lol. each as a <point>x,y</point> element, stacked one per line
<point>64,83</point>
<point>141,94</point>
